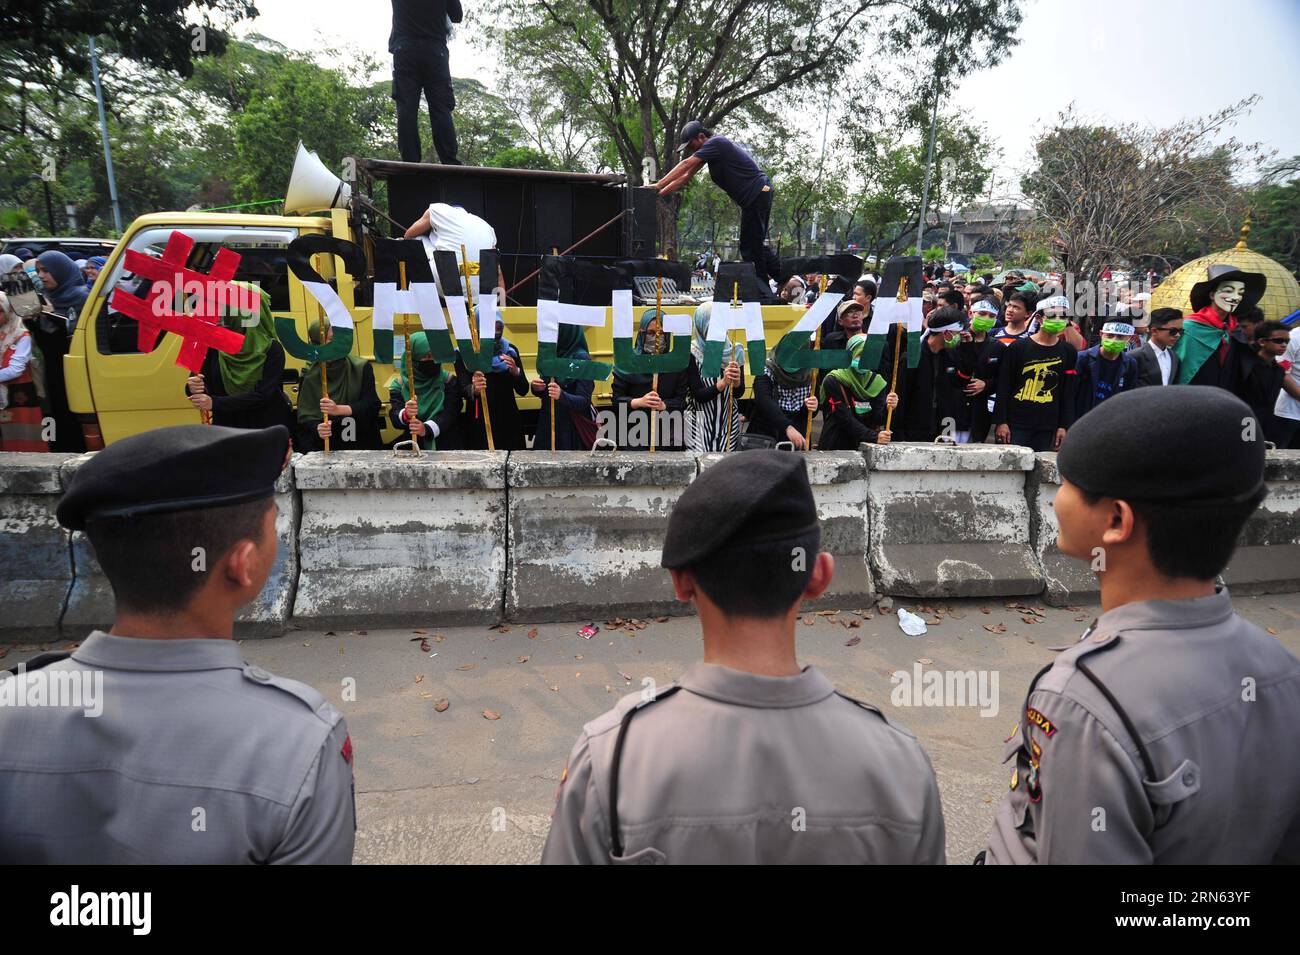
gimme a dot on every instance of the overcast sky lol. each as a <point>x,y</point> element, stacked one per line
<point>1146,61</point>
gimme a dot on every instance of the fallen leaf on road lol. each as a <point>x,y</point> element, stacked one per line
<point>424,645</point>
<point>827,613</point>
<point>1081,618</point>
<point>416,639</point>
<point>362,632</point>
<point>1029,639</point>
<point>1073,609</point>
<point>555,687</point>
<point>995,627</point>
<point>1272,631</point>
<point>925,661</point>
<point>661,619</point>
<point>577,656</point>
<point>853,641</point>
<point>467,666</point>
<point>855,622</point>
<point>522,659</point>
<point>419,631</point>
<point>625,676</point>
<point>330,633</point>
<point>491,715</point>
<point>608,688</point>
<point>986,609</point>
<point>442,705</point>
<point>809,620</point>
<point>427,696</point>
<point>439,638</point>
<point>306,644</point>
<point>532,634</point>
<point>419,678</point>
<point>1029,619</point>
<point>578,674</point>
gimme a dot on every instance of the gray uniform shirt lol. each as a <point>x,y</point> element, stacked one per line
<point>1215,702</point>
<point>740,768</point>
<point>196,757</point>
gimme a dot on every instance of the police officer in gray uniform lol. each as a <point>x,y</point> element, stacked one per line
<point>155,742</point>
<point>748,758</point>
<point>1167,732</point>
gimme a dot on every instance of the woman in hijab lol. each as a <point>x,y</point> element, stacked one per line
<point>244,390</point>
<point>853,409</point>
<point>634,391</point>
<point>707,403</point>
<point>61,282</point>
<point>428,415</point>
<point>92,268</point>
<point>352,395</point>
<point>502,383</point>
<point>782,400</point>
<point>65,286</point>
<point>10,263</point>
<point>575,418</point>
<point>20,406</point>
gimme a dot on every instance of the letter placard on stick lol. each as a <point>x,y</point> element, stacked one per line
<point>447,271</point>
<point>299,256</point>
<point>561,284</point>
<point>625,327</point>
<point>420,297</point>
<point>723,318</point>
<point>888,310</point>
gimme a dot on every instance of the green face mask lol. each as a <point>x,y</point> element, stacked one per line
<point>952,342</point>
<point>1054,326</point>
<point>983,324</point>
<point>1111,347</point>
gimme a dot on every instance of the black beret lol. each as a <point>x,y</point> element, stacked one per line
<point>188,467</point>
<point>747,497</point>
<point>1188,445</point>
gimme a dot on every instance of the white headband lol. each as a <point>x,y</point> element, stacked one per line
<point>1117,328</point>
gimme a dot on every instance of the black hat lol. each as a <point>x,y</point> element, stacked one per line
<point>689,132</point>
<point>748,497</point>
<point>188,467</point>
<point>1255,282</point>
<point>1189,445</point>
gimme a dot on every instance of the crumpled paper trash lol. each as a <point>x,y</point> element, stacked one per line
<point>911,624</point>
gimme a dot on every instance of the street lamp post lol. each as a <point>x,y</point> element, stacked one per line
<point>103,134</point>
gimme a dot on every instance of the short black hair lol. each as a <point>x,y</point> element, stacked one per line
<point>150,561</point>
<point>762,579</point>
<point>953,297</point>
<point>1192,542</point>
<point>869,288</point>
<point>1028,299</point>
<point>1249,313</point>
<point>1266,328</point>
<point>1163,316</point>
<point>987,278</point>
<point>946,315</point>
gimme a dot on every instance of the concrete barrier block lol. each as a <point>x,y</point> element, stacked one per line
<point>35,560</point>
<point>1069,580</point>
<point>90,603</point>
<point>950,521</point>
<point>586,532</point>
<point>839,485</point>
<point>384,541</point>
<point>1267,560</point>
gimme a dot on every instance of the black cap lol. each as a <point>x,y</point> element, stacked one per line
<point>689,132</point>
<point>747,497</point>
<point>188,467</point>
<point>1183,445</point>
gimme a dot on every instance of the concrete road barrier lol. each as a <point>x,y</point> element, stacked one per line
<point>90,603</point>
<point>393,542</point>
<point>35,563</point>
<point>950,521</point>
<point>1069,580</point>
<point>1267,560</point>
<point>839,485</point>
<point>586,532</point>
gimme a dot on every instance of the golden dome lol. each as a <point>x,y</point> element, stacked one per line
<point>1281,296</point>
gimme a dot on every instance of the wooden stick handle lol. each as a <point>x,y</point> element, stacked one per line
<point>324,376</point>
<point>473,337</point>
<point>899,332</point>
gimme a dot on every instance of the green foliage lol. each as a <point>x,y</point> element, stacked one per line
<point>1275,226</point>
<point>983,263</point>
<point>934,255</point>
<point>521,157</point>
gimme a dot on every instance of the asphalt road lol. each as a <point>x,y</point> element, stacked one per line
<point>455,786</point>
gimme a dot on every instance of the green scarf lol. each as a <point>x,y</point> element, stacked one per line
<point>243,370</point>
<point>430,392</point>
<point>345,376</point>
<point>865,385</point>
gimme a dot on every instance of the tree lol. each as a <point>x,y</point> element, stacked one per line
<point>1275,225</point>
<point>643,69</point>
<point>1110,193</point>
<point>155,33</point>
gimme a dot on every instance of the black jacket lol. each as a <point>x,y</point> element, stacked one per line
<point>366,412</point>
<point>842,428</point>
<point>1149,365</point>
<point>265,405</point>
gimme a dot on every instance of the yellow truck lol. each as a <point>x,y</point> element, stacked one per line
<point>115,390</point>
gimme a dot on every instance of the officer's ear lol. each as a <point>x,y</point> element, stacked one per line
<point>823,570</point>
<point>683,585</point>
<point>248,562</point>
<point>1121,523</point>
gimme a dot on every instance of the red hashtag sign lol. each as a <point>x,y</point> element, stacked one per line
<point>200,330</point>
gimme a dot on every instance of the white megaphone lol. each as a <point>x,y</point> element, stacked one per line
<point>312,186</point>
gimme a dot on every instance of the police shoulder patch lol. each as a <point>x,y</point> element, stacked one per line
<point>1045,724</point>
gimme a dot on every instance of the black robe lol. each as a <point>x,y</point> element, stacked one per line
<point>507,420</point>
<point>265,405</point>
<point>366,414</point>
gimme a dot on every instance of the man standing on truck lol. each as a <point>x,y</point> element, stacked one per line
<point>448,228</point>
<point>733,170</point>
<point>421,63</point>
